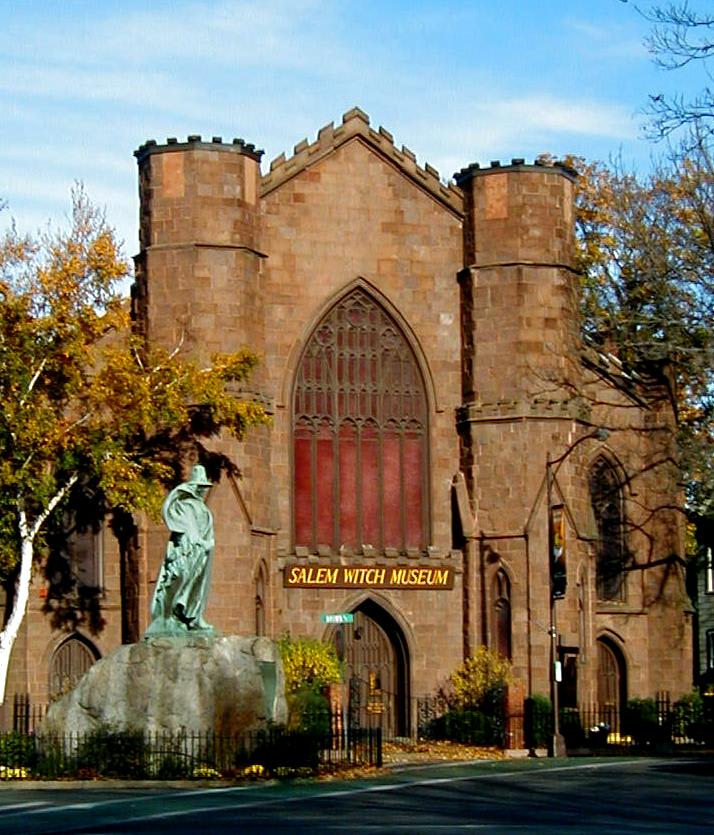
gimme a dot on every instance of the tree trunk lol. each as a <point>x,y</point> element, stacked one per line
<point>28,532</point>
<point>19,606</point>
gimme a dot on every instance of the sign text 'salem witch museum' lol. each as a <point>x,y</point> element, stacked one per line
<point>378,576</point>
<point>421,358</point>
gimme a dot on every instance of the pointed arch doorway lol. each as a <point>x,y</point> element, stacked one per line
<point>611,681</point>
<point>377,670</point>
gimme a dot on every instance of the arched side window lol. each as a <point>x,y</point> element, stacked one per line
<point>608,508</point>
<point>501,614</point>
<point>69,663</point>
<point>360,434</point>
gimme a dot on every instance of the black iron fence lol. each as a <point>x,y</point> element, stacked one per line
<point>644,722</point>
<point>270,752</point>
<point>26,714</point>
<point>485,725</point>
<point>639,723</point>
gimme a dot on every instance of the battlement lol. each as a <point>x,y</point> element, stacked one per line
<point>355,123</point>
<point>516,164</point>
<point>196,143</point>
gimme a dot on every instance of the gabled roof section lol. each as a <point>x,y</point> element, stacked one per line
<point>355,123</point>
<point>610,368</point>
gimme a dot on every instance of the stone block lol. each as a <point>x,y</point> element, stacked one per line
<point>176,685</point>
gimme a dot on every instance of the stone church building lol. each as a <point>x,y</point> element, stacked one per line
<point>437,428</point>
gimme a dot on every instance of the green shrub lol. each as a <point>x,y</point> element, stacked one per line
<point>688,716</point>
<point>173,767</point>
<point>480,677</point>
<point>572,728</point>
<point>17,750</point>
<point>640,721</point>
<point>282,752</point>
<point>108,752</point>
<point>309,662</point>
<point>469,727</point>
<point>538,724</point>
<point>308,710</point>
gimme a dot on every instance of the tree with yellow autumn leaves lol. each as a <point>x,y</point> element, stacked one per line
<point>646,261</point>
<point>83,401</point>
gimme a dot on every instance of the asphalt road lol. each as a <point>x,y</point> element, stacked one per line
<point>545,796</point>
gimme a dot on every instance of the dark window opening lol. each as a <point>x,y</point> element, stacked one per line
<point>260,627</point>
<point>502,614</point>
<point>710,649</point>
<point>607,504</point>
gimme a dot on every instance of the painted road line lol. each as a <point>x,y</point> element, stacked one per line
<point>389,787</point>
<point>17,808</point>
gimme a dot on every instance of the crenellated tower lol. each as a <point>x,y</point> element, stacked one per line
<point>518,287</point>
<point>199,241</point>
<point>520,371</point>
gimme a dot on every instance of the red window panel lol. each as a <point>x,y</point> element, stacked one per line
<point>348,485</point>
<point>370,485</point>
<point>413,469</point>
<point>392,478</point>
<point>303,489</point>
<point>324,488</point>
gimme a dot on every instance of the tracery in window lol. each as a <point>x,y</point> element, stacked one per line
<point>360,434</point>
<point>607,504</point>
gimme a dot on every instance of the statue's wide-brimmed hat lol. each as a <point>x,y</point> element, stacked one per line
<point>199,477</point>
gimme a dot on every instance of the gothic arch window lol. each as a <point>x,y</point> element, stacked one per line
<point>608,508</point>
<point>70,661</point>
<point>360,434</point>
<point>501,614</point>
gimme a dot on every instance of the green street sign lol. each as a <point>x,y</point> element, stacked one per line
<point>338,617</point>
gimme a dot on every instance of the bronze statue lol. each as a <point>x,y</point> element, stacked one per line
<point>181,590</point>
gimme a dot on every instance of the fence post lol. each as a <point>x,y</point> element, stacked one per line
<point>514,700</point>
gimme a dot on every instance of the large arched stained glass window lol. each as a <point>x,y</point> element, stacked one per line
<point>360,434</point>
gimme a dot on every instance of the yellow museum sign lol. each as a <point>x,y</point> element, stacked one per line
<point>301,576</point>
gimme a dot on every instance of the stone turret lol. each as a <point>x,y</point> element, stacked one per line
<point>519,299</point>
<point>199,237</point>
<point>520,367</point>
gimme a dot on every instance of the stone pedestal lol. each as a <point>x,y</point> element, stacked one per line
<point>192,685</point>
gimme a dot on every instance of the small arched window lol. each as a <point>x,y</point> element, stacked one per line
<point>501,614</point>
<point>608,508</point>
<point>360,434</point>
<point>69,663</point>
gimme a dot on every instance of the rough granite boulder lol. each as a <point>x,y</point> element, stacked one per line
<point>194,685</point>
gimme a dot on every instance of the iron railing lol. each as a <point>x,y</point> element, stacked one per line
<point>274,751</point>
<point>26,714</point>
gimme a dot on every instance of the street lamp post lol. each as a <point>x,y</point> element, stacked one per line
<point>557,742</point>
<point>557,569</point>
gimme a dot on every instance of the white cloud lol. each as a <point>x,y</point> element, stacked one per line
<point>233,33</point>
<point>609,42</point>
<point>67,84</point>
<point>549,114</point>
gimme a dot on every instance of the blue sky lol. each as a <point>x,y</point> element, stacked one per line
<point>83,83</point>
